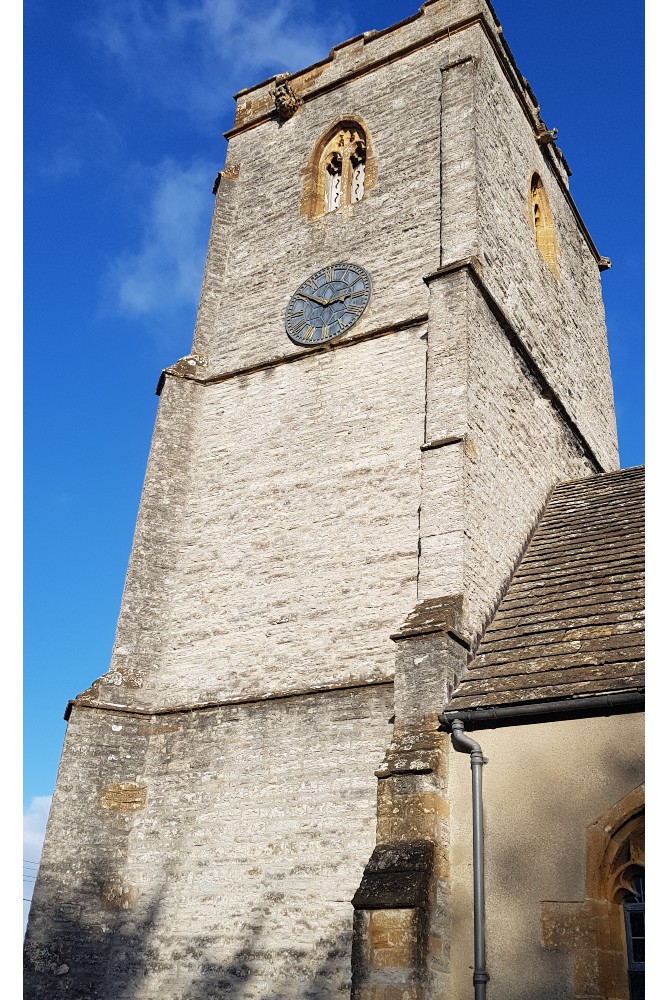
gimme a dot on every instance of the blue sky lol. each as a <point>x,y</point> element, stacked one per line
<point>125,102</point>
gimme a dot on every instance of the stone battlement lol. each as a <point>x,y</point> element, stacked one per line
<point>363,51</point>
<point>434,21</point>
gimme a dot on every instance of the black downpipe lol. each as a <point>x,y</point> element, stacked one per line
<point>464,744</point>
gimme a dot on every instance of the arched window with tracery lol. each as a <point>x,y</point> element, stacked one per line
<point>341,169</point>
<point>605,931</point>
<point>543,224</point>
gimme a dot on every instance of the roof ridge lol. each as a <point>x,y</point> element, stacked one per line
<point>633,470</point>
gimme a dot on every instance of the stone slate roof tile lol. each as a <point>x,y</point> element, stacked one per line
<point>571,623</point>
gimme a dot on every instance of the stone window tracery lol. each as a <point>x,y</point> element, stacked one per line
<point>344,163</point>
<point>333,183</point>
<point>358,165</point>
<point>341,169</point>
<point>543,224</point>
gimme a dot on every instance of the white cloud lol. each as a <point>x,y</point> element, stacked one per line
<point>165,272</point>
<point>34,828</point>
<point>190,54</point>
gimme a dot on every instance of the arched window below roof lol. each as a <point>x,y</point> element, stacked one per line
<point>604,931</point>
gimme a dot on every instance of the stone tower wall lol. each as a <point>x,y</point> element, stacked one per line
<point>208,853</point>
<point>516,455</point>
<point>82,888</point>
<point>297,550</point>
<point>504,449</point>
<point>284,509</point>
<point>560,319</point>
<point>144,625</point>
<point>274,246</point>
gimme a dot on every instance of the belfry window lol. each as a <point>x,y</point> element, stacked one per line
<point>344,168</point>
<point>543,224</point>
<point>341,169</point>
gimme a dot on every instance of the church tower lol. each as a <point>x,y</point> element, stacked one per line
<point>400,350</point>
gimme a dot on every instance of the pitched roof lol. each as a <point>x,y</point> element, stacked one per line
<point>571,623</point>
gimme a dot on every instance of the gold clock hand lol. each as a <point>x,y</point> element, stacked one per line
<point>313,298</point>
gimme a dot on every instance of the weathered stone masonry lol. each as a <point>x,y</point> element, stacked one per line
<point>323,534</point>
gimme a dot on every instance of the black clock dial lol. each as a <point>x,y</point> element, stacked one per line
<point>327,304</point>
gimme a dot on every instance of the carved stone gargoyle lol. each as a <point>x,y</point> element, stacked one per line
<point>286,101</point>
<point>545,136</point>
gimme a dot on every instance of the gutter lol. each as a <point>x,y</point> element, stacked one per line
<point>543,711</point>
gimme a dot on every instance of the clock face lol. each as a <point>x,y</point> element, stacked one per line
<point>327,304</point>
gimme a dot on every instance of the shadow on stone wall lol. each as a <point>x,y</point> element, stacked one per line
<point>137,959</point>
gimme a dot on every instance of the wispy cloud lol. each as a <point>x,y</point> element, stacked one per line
<point>165,272</point>
<point>190,54</point>
<point>78,136</point>
<point>63,163</point>
<point>34,827</point>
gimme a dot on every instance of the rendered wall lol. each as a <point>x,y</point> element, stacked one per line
<point>208,853</point>
<point>543,786</point>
